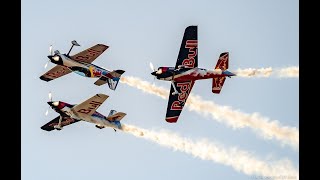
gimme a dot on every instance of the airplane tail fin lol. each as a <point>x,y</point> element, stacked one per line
<point>114,81</point>
<point>223,64</point>
<point>223,61</point>
<point>116,117</point>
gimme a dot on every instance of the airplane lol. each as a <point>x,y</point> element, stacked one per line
<point>80,63</point>
<point>85,111</point>
<point>186,72</point>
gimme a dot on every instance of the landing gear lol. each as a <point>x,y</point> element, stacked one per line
<point>114,130</point>
<point>99,127</point>
<point>175,89</point>
<point>58,127</point>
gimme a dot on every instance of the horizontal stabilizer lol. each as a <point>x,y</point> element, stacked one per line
<point>117,73</point>
<point>112,82</point>
<point>101,81</point>
<point>116,117</point>
<point>217,84</point>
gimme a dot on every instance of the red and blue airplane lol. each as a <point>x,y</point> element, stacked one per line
<point>186,72</point>
<point>80,63</point>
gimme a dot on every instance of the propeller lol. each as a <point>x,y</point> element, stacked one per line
<point>50,99</point>
<point>50,96</point>
<point>151,66</point>
<point>51,53</point>
<point>153,70</point>
<point>50,50</point>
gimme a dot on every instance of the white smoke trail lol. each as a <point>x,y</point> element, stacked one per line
<point>224,114</point>
<point>238,159</point>
<point>289,72</point>
<point>252,72</point>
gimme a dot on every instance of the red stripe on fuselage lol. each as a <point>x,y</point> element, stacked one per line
<point>194,75</point>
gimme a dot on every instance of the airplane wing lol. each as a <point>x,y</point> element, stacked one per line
<point>176,102</point>
<point>89,106</point>
<point>65,121</point>
<point>55,72</point>
<point>188,54</point>
<point>90,54</point>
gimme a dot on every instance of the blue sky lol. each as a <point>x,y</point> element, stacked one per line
<point>256,33</point>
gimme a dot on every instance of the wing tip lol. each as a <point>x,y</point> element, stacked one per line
<point>103,45</point>
<point>46,128</point>
<point>192,26</point>
<point>172,119</point>
<point>45,78</point>
<point>120,71</point>
<point>224,53</point>
<point>102,95</point>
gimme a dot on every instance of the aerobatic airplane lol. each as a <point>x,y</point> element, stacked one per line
<point>80,63</point>
<point>85,111</point>
<point>186,72</point>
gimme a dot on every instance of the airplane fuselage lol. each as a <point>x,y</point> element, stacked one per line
<point>65,110</point>
<point>187,74</point>
<point>79,67</point>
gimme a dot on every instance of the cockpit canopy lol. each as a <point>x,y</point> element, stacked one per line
<point>164,69</point>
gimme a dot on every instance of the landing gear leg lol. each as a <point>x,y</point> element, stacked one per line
<point>58,127</point>
<point>175,89</point>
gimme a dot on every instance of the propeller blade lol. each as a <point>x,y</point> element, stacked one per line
<point>151,66</point>
<point>50,96</point>
<point>45,66</point>
<point>50,50</point>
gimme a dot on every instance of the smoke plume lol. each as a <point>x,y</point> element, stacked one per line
<point>240,160</point>
<point>289,72</point>
<point>269,129</point>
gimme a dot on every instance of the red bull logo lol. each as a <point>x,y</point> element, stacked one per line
<point>182,97</point>
<point>193,51</point>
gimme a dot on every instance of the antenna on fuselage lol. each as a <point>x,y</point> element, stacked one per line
<point>74,43</point>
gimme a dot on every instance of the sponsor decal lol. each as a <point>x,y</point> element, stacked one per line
<point>57,73</point>
<point>95,72</point>
<point>217,83</point>
<point>182,97</point>
<point>92,106</point>
<point>222,62</point>
<point>193,51</point>
<point>176,106</point>
<point>91,53</point>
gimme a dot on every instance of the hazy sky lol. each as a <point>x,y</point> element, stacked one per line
<point>256,33</point>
